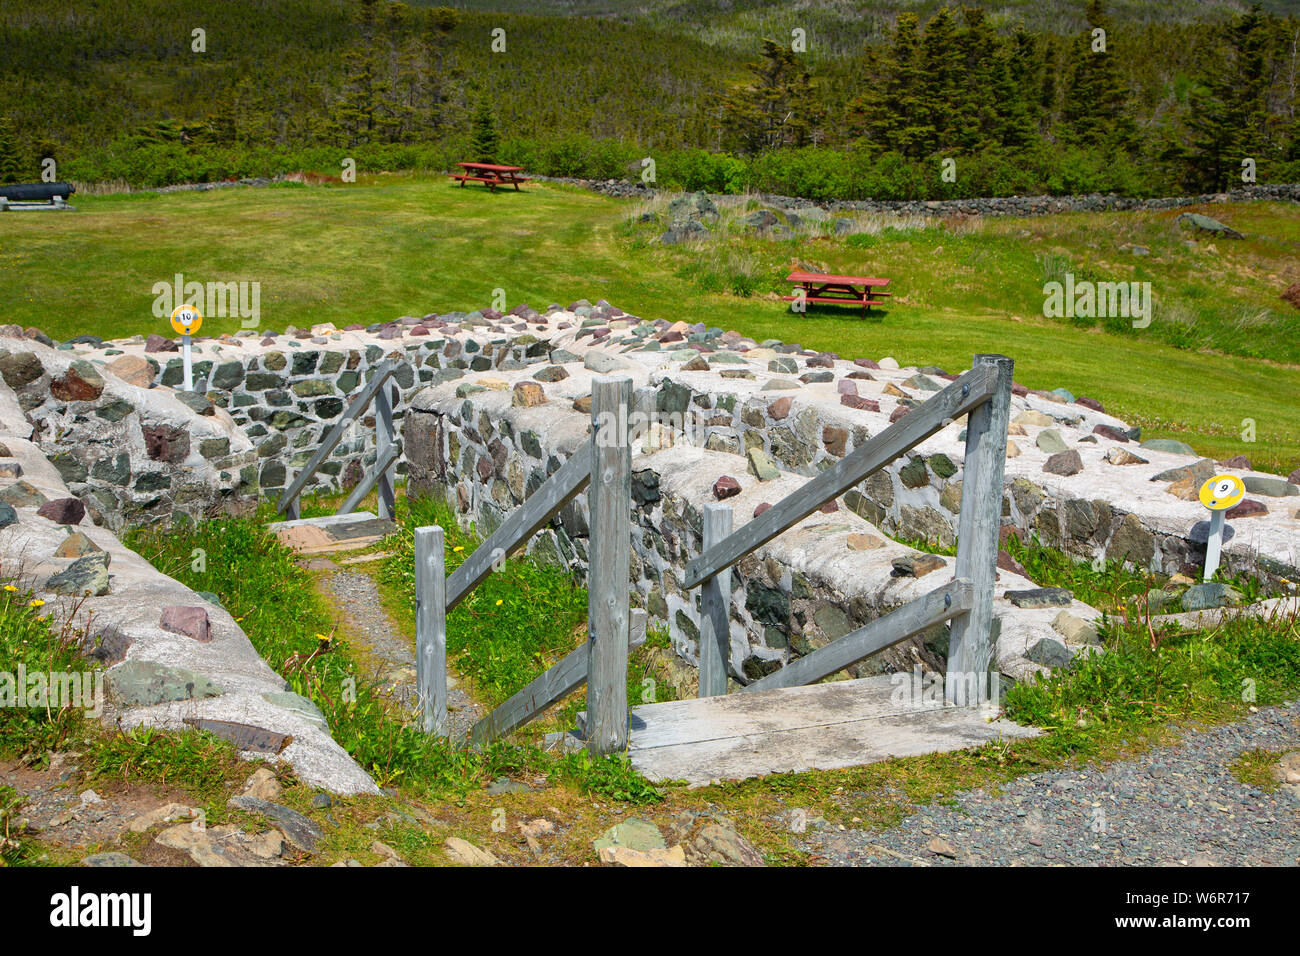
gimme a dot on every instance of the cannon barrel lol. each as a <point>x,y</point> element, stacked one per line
<point>35,192</point>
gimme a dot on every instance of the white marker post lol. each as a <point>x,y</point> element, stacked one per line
<point>1218,494</point>
<point>186,320</point>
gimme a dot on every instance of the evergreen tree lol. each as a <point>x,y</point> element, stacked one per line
<point>889,114</point>
<point>940,84</point>
<point>1097,107</point>
<point>1228,114</point>
<point>484,139</point>
<point>778,109</point>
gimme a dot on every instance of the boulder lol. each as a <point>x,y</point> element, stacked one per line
<point>80,383</point>
<point>133,370</point>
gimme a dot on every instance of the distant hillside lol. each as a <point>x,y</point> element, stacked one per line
<point>713,90</point>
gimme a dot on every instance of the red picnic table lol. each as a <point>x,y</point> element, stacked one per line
<point>491,175</point>
<point>823,289</point>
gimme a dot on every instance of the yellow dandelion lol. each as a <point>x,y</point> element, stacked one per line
<point>498,603</point>
<point>10,587</point>
<point>458,548</point>
<point>36,603</point>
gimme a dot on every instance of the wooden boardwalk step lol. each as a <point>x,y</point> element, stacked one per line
<point>818,727</point>
<point>331,533</point>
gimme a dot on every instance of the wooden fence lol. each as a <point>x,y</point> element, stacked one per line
<point>601,662</point>
<point>984,395</point>
<point>387,450</point>
<point>602,466</point>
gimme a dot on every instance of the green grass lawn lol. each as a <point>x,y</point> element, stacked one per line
<point>1222,347</point>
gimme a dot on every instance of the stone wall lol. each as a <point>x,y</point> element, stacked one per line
<point>171,658</point>
<point>492,403</point>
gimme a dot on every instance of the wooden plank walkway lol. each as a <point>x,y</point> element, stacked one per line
<point>817,727</point>
<point>330,533</point>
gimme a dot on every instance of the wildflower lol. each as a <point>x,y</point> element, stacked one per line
<point>458,547</point>
<point>36,603</point>
<point>498,603</point>
<point>10,588</point>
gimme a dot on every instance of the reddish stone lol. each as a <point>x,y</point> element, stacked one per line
<point>866,363</point>
<point>419,330</point>
<point>896,414</point>
<point>862,404</point>
<point>829,508</point>
<point>846,386</point>
<point>156,343</point>
<point>190,621</point>
<point>1018,389</point>
<point>1064,463</point>
<point>822,360</point>
<point>1109,431</point>
<point>780,408</point>
<point>63,511</point>
<point>835,440</point>
<point>671,337</point>
<point>1007,563</point>
<point>1294,477</point>
<point>485,469</point>
<point>1237,461</point>
<point>761,508</point>
<point>1249,508</point>
<point>862,376</point>
<point>80,383</point>
<point>726,487</point>
<point>166,443</point>
<point>1092,403</point>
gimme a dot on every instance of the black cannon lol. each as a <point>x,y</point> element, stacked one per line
<point>36,192</point>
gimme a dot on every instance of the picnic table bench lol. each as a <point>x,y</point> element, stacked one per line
<point>822,289</point>
<point>490,174</point>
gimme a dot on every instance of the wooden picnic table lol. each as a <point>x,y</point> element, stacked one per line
<point>491,175</point>
<point>822,289</point>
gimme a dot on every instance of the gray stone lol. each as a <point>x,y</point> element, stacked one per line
<point>144,684</point>
<point>632,834</point>
<point>88,575</point>
<point>297,829</point>
<point>1040,597</point>
<point>1270,487</point>
<point>1050,441</point>
<point>1210,594</point>
<point>1049,651</point>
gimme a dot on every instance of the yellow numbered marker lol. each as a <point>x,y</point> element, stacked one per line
<point>1222,492</point>
<point>1219,494</point>
<point>186,319</point>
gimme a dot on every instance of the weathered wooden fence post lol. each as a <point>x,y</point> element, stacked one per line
<point>609,502</point>
<point>384,496</point>
<point>431,630</point>
<point>970,645</point>
<point>715,631</point>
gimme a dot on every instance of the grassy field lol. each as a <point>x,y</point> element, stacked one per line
<point>1221,348</point>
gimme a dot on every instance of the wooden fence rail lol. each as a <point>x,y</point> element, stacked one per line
<point>387,450</point>
<point>984,394</point>
<point>602,466</point>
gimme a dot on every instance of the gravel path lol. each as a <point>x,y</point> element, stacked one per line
<point>356,599</point>
<point>1176,805</point>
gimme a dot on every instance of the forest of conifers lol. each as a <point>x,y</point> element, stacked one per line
<point>1151,98</point>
